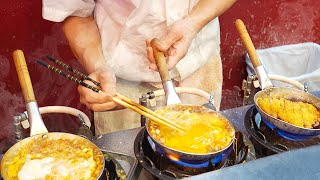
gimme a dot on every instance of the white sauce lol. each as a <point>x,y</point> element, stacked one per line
<point>58,168</point>
<point>36,169</point>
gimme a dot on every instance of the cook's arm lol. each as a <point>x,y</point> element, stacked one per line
<point>84,39</point>
<point>206,10</point>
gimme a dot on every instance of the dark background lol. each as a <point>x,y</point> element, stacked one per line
<point>270,23</point>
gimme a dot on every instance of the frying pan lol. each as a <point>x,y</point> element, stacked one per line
<point>175,105</point>
<point>38,131</point>
<point>269,91</point>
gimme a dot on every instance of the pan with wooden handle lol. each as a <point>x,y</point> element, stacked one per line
<point>174,106</point>
<point>269,91</point>
<point>20,153</point>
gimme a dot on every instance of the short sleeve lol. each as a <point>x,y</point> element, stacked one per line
<point>58,10</point>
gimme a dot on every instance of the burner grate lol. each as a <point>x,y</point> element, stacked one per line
<point>113,169</point>
<point>268,140</point>
<point>163,167</point>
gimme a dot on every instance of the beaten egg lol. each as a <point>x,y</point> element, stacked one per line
<point>55,159</point>
<point>205,131</point>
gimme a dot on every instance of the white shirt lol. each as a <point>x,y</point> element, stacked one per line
<point>124,26</point>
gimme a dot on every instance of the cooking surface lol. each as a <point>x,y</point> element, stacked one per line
<point>268,167</point>
<point>299,163</point>
<point>122,142</point>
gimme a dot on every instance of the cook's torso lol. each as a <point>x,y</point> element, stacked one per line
<point>125,25</point>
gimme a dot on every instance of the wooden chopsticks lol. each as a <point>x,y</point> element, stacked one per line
<point>128,103</point>
<point>120,99</point>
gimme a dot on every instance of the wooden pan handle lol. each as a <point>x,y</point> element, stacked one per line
<point>246,40</point>
<point>23,75</point>
<point>160,61</point>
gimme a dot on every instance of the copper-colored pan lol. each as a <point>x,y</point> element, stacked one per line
<point>38,131</point>
<point>268,91</point>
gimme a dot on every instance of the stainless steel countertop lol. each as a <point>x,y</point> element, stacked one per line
<point>118,142</point>
<point>121,142</point>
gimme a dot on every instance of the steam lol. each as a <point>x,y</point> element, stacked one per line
<point>13,104</point>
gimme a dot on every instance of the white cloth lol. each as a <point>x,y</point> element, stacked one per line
<point>124,26</point>
<point>299,62</point>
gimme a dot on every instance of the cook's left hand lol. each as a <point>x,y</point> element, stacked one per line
<point>175,43</point>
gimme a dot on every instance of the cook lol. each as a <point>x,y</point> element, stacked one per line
<point>111,39</point>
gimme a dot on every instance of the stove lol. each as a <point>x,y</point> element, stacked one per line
<point>268,140</point>
<point>164,166</point>
<point>130,150</point>
<point>113,169</point>
<point>242,117</point>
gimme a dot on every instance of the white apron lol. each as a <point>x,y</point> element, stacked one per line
<point>124,25</point>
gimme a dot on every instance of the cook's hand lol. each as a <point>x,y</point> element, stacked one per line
<point>175,43</point>
<point>99,101</point>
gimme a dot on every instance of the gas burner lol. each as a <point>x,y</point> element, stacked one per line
<point>191,163</point>
<point>113,170</point>
<point>289,136</point>
<point>198,164</point>
<point>269,140</point>
<point>164,166</point>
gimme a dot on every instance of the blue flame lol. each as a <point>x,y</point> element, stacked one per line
<point>284,134</point>
<point>196,164</point>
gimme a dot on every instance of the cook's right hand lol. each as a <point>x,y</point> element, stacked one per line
<point>99,101</point>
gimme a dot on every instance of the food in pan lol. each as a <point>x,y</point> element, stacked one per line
<point>206,131</point>
<point>56,159</point>
<point>301,114</point>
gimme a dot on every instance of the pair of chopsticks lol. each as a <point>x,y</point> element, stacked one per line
<point>120,99</point>
<point>72,70</point>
